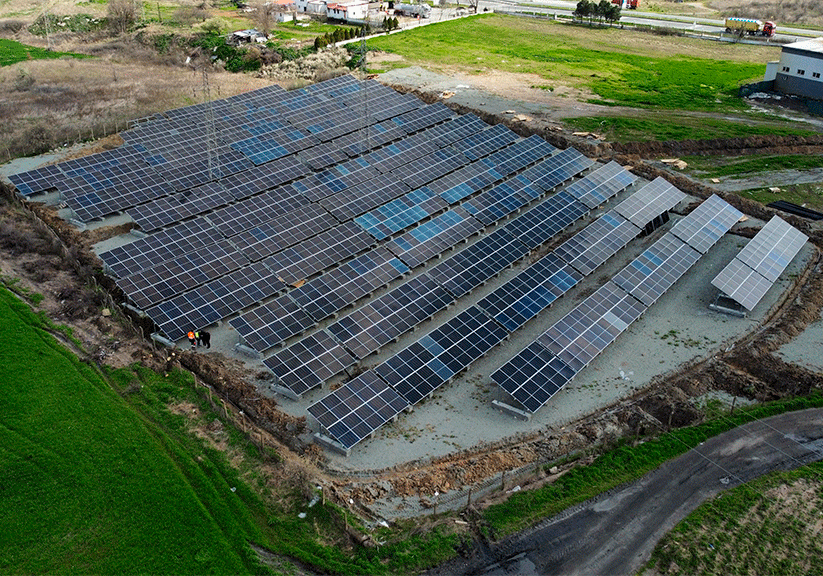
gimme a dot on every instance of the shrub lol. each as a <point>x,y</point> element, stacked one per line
<point>121,16</point>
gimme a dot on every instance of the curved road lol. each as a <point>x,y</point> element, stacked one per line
<point>615,533</point>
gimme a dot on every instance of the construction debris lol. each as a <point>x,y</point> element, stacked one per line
<point>676,162</point>
<point>446,94</point>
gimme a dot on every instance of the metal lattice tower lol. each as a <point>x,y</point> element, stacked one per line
<point>211,135</point>
<point>364,123</point>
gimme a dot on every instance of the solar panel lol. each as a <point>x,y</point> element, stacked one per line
<point>160,247</point>
<point>773,248</point>
<point>533,376</point>
<point>255,180</point>
<point>343,286</point>
<point>706,224</point>
<point>433,360</point>
<point>401,213</point>
<point>164,281</point>
<point>434,237</point>
<point>651,201</point>
<point>383,319</point>
<point>544,221</point>
<point>358,408</point>
<point>285,230</point>
<point>466,181</point>
<point>530,292</point>
<point>748,277</point>
<point>317,253</point>
<point>257,210</point>
<point>554,170</point>
<point>484,143</point>
<point>337,179</point>
<point>271,324</point>
<point>309,363</point>
<point>429,167</point>
<point>502,200</point>
<point>359,199</point>
<point>178,207</point>
<point>591,326</point>
<point>215,300</point>
<point>652,273</point>
<point>37,180</point>
<point>598,186</point>
<point>597,242</point>
<point>739,282</point>
<point>422,118</point>
<point>481,261</point>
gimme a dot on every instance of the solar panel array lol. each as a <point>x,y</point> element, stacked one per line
<point>539,371</point>
<point>751,273</point>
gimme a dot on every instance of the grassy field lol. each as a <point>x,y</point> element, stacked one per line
<point>89,486</point>
<point>680,127</point>
<point>616,66</point>
<point>12,52</point>
<point>744,166</point>
<point>768,526</point>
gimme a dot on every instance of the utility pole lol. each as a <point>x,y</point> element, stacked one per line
<point>364,123</point>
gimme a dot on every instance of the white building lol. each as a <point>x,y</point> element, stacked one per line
<point>343,10</point>
<point>799,70</point>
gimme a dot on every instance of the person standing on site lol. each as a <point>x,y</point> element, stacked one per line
<point>205,339</point>
<point>192,339</point>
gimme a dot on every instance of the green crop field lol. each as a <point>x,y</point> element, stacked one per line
<point>611,63</point>
<point>12,52</point>
<point>90,487</point>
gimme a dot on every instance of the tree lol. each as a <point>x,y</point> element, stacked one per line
<point>264,16</point>
<point>614,14</point>
<point>121,15</point>
<point>583,9</point>
<point>602,10</point>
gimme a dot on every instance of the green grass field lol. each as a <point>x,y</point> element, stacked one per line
<point>744,166</point>
<point>768,526</point>
<point>595,59</point>
<point>90,487</point>
<point>12,52</point>
<point>678,127</point>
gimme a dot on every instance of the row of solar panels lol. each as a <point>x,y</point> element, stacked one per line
<point>297,244</point>
<point>354,411</point>
<point>748,277</point>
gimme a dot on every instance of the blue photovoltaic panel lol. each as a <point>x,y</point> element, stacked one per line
<point>486,142</point>
<point>597,242</point>
<point>547,174</point>
<point>481,261</point>
<point>707,223</point>
<point>742,284</point>
<point>466,181</point>
<point>652,273</point>
<point>309,363</point>
<point>271,324</point>
<point>215,300</point>
<point>169,210</point>
<point>502,200</point>
<point>430,167</point>
<point>600,185</point>
<point>383,319</point>
<point>343,286</point>
<point>589,328</point>
<point>541,223</point>
<point>434,237</point>
<point>285,230</point>
<point>530,292</point>
<point>166,280</point>
<point>773,248</point>
<point>533,376</point>
<point>363,197</point>
<point>418,370</point>
<point>650,201</point>
<point>358,408</point>
<point>399,214</point>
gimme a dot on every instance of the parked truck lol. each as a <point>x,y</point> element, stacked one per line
<point>422,10</point>
<point>750,27</point>
<point>630,4</point>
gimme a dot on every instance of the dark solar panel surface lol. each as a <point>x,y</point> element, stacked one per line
<point>434,237</point>
<point>271,324</point>
<point>309,363</point>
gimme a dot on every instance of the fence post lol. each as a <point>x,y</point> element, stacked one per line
<point>469,499</point>
<point>503,481</point>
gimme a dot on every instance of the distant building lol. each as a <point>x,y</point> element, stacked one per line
<point>247,36</point>
<point>800,69</point>
<point>344,10</point>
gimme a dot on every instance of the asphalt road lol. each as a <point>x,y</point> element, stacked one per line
<point>685,23</point>
<point>615,533</point>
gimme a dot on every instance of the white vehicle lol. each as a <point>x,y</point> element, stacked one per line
<point>422,10</point>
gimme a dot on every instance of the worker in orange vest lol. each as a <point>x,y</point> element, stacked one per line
<point>192,339</point>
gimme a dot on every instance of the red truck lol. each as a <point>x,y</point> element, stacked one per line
<point>630,4</point>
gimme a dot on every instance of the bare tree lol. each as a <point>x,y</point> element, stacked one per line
<point>121,15</point>
<point>264,16</point>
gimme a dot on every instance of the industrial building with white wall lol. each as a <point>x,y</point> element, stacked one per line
<point>800,69</point>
